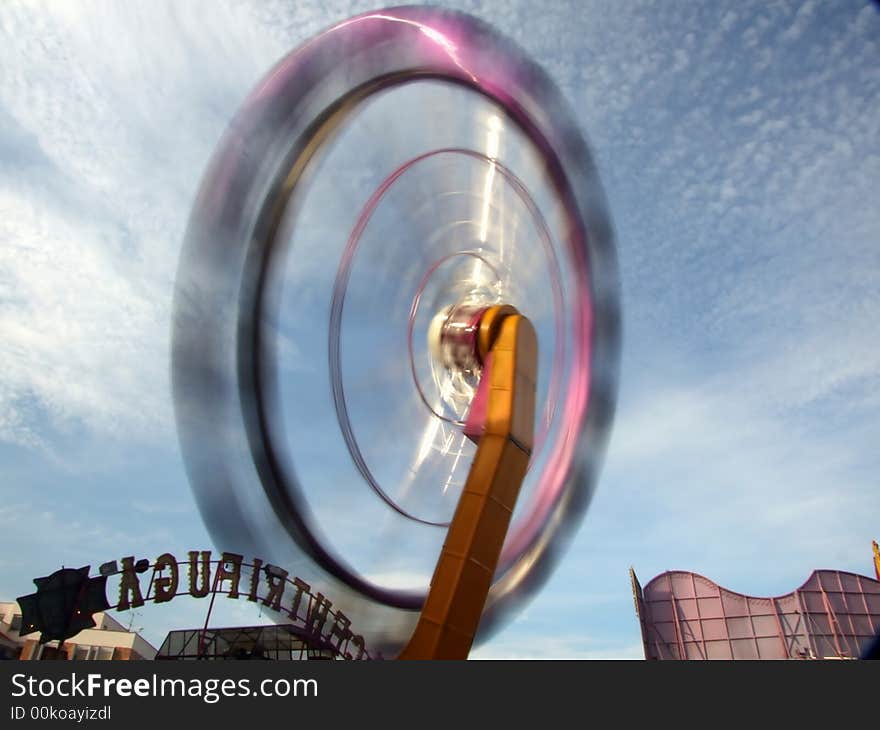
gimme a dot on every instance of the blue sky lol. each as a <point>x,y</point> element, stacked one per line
<point>739,147</point>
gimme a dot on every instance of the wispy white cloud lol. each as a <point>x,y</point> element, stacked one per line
<point>709,477</point>
<point>107,116</point>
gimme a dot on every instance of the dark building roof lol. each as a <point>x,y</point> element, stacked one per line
<point>274,642</point>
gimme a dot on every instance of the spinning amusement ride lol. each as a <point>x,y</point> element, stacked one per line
<point>396,328</point>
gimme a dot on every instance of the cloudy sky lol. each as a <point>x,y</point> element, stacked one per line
<point>739,147</point>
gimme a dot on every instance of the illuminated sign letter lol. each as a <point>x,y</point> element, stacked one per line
<point>205,578</point>
<point>233,574</point>
<point>165,586</point>
<point>340,628</point>
<point>129,584</point>
<point>318,613</point>
<point>301,587</point>
<point>275,578</point>
<point>358,641</point>
<point>255,579</point>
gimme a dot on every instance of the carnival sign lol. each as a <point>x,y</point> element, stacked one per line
<point>65,601</point>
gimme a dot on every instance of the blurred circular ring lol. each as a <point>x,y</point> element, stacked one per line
<point>221,371</point>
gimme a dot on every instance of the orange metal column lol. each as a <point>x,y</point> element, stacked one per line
<point>467,563</point>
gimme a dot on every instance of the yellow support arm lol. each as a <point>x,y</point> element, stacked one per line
<point>463,576</point>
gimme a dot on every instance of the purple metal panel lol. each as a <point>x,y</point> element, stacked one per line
<point>687,608</point>
<point>838,602</point>
<point>869,585</point>
<point>666,630</point>
<point>786,647</point>
<point>833,614</point>
<point>813,601</point>
<point>710,607</point>
<point>679,641</point>
<point>832,621</point>
<point>682,585</point>
<point>765,625</point>
<point>729,643</point>
<point>862,626</point>
<point>734,604</point>
<point>744,649</point>
<point>714,629</point>
<point>704,587</point>
<point>690,630</point>
<point>754,641</point>
<point>821,624</point>
<point>739,627</point>
<point>718,650</point>
<point>770,648</point>
<point>850,604</point>
<point>809,651</point>
<point>661,610</point>
<point>703,654</point>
